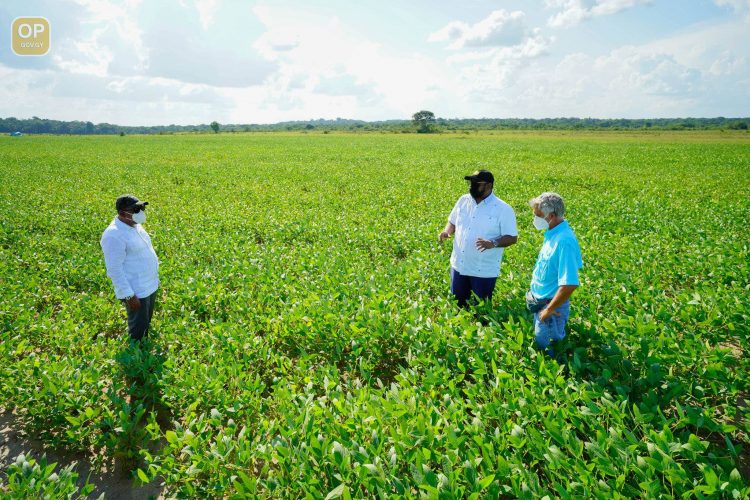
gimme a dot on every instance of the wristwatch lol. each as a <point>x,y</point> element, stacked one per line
<point>128,297</point>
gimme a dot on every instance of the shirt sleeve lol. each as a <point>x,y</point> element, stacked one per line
<point>453,217</point>
<point>114,256</point>
<point>508,223</point>
<point>568,264</point>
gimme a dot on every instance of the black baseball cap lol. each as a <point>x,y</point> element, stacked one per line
<point>481,176</point>
<point>128,201</point>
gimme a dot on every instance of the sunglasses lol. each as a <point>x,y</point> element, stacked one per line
<point>135,210</point>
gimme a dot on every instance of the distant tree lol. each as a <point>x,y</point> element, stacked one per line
<point>425,120</point>
<point>215,127</point>
<point>89,128</point>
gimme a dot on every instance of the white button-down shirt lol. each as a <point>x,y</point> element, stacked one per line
<point>488,219</point>
<point>130,259</point>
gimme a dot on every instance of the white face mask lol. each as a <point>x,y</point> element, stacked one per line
<point>540,223</point>
<point>140,217</point>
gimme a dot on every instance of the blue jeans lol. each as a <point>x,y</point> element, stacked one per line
<point>462,286</point>
<point>552,329</point>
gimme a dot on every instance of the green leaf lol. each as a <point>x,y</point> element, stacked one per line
<point>171,437</point>
<point>336,492</point>
<point>486,481</point>
<point>735,478</point>
<point>373,469</point>
<point>142,476</point>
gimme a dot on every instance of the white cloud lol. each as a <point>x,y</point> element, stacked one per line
<point>84,56</point>
<point>505,48</point>
<point>126,101</point>
<point>238,63</point>
<point>623,83</point>
<point>741,7</point>
<point>330,70</point>
<point>534,46</point>
<point>347,85</point>
<point>206,11</point>
<point>634,71</point>
<point>500,28</point>
<point>575,11</point>
<point>115,38</point>
<point>496,79</point>
<point>728,64</point>
<point>699,73</point>
<point>738,5</point>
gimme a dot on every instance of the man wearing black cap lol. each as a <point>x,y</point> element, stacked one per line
<point>484,225</point>
<point>132,263</point>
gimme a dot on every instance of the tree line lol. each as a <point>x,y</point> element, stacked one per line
<point>38,125</point>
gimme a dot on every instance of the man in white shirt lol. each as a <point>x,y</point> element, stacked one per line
<point>484,225</point>
<point>132,263</point>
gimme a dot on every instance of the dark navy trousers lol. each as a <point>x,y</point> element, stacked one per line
<point>140,320</point>
<point>462,286</point>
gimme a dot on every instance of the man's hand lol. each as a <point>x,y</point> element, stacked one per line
<point>133,303</point>
<point>483,245</point>
<point>545,313</point>
<point>443,236</point>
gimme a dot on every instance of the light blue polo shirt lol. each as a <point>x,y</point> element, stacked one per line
<point>558,262</point>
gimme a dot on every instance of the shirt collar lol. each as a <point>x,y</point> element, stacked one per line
<point>549,233</point>
<point>487,200</point>
<point>122,225</point>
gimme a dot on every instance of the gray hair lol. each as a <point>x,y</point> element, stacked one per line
<point>549,203</point>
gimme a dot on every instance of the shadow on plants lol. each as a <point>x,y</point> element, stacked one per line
<point>499,313</point>
<point>484,311</point>
<point>140,401</point>
<point>656,393</point>
<point>76,469</point>
<point>637,376</point>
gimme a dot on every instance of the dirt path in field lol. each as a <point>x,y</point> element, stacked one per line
<point>115,483</point>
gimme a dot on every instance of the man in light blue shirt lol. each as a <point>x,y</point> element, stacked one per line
<point>555,274</point>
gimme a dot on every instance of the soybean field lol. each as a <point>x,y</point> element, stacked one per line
<point>305,343</point>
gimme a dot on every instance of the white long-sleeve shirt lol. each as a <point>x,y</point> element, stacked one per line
<point>488,219</point>
<point>130,258</point>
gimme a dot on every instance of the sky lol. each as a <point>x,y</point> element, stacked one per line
<point>162,62</point>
